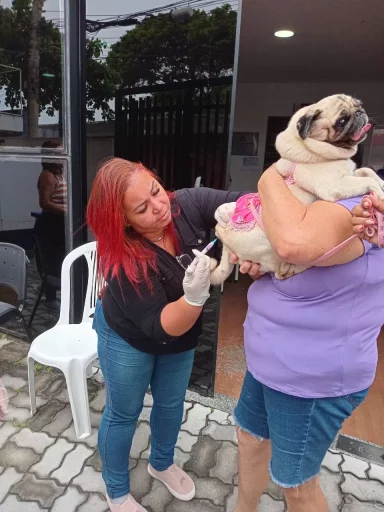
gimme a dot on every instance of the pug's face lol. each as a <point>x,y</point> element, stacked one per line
<point>339,120</point>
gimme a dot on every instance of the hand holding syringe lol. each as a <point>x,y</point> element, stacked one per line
<point>207,248</point>
<point>196,281</point>
<point>198,254</point>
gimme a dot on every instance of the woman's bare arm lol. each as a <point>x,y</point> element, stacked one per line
<point>178,317</point>
<point>301,234</point>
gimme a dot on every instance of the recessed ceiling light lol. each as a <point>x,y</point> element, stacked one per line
<point>284,33</point>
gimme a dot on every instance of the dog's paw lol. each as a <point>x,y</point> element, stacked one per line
<point>287,270</point>
<point>217,278</point>
<point>284,271</point>
<point>213,264</point>
<point>220,274</point>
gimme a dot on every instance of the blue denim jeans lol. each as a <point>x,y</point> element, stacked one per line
<point>128,373</point>
<point>300,429</point>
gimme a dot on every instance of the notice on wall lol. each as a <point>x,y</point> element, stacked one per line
<point>245,144</point>
<point>251,163</point>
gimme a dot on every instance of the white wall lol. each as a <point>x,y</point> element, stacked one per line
<point>11,123</point>
<point>18,194</point>
<point>256,101</point>
<point>18,184</point>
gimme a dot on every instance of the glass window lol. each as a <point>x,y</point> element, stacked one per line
<point>172,109</point>
<point>31,78</point>
<point>33,216</point>
<point>174,74</point>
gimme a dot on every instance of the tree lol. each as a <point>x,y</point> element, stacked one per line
<point>160,50</point>
<point>101,81</point>
<point>33,86</point>
<point>16,43</point>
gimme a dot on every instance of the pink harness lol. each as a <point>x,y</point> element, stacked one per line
<point>248,213</point>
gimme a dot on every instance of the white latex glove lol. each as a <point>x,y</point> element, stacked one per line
<point>224,213</point>
<point>196,281</point>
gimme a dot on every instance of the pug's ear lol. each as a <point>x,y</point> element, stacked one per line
<point>304,123</point>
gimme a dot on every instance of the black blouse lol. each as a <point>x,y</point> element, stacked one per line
<point>137,318</point>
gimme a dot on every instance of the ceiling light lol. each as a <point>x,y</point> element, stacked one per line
<point>284,33</point>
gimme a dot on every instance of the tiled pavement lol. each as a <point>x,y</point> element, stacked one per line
<point>44,467</point>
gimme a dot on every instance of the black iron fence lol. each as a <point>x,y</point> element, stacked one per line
<point>180,130</point>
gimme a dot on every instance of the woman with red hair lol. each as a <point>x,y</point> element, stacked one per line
<point>149,319</point>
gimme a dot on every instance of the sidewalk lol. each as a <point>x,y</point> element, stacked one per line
<point>44,467</point>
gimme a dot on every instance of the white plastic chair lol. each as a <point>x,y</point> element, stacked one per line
<point>13,275</point>
<point>71,347</point>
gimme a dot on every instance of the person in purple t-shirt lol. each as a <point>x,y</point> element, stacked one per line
<point>310,344</point>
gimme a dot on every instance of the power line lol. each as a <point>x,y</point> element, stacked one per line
<point>103,21</point>
<point>136,17</point>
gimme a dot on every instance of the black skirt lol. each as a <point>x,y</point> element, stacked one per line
<point>50,233</point>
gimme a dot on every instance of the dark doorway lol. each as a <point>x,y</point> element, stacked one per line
<point>276,124</point>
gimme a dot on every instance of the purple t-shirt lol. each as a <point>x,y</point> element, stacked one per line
<point>314,335</point>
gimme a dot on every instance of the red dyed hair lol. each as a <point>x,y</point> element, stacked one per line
<point>116,249</point>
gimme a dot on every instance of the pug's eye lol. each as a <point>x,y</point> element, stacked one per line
<point>342,122</point>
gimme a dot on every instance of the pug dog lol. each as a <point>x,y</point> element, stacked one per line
<point>315,150</point>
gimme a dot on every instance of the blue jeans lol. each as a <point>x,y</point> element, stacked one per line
<point>128,373</point>
<point>300,429</point>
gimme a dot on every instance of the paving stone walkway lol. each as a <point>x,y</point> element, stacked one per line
<point>44,467</point>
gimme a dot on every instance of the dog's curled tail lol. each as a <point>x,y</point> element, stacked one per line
<point>220,273</point>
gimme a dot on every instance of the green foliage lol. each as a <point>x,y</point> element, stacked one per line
<point>101,80</point>
<point>19,424</point>
<point>42,368</point>
<point>14,49</point>
<point>159,50</point>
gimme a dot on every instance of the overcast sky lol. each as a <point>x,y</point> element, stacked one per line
<point>99,9</point>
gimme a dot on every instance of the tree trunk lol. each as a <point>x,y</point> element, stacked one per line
<point>33,87</point>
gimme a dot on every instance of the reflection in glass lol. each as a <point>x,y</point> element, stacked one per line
<point>171,111</point>
<point>33,212</point>
<point>30,72</point>
<point>174,73</point>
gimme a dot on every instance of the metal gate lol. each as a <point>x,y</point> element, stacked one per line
<point>180,130</point>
